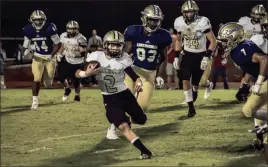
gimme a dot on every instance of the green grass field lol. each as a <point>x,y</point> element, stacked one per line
<point>73,134</point>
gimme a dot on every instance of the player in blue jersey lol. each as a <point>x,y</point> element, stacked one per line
<point>148,45</point>
<point>253,61</point>
<point>44,36</point>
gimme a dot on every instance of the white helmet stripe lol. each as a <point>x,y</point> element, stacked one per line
<point>189,4</point>
<point>116,37</point>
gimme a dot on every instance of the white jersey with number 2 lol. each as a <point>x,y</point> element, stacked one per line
<point>111,77</point>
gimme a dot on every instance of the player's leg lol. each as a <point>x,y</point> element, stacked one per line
<point>37,70</point>
<point>76,81</point>
<point>116,116</point>
<point>63,73</point>
<point>185,75</point>
<point>145,96</point>
<point>169,73</point>
<point>224,77</point>
<point>215,74</point>
<point>2,79</point>
<point>243,91</point>
<point>204,82</point>
<point>176,79</point>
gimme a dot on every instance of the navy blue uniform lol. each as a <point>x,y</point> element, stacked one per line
<point>146,49</point>
<point>242,56</point>
<point>41,39</point>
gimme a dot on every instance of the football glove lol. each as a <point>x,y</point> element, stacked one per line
<point>160,82</point>
<point>204,63</point>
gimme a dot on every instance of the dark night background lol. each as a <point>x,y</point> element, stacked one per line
<point>107,15</point>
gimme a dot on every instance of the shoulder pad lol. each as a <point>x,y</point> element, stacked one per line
<point>204,23</point>
<point>177,23</point>
<point>52,29</point>
<point>130,32</point>
<point>243,20</point>
<point>257,39</point>
<point>82,41</point>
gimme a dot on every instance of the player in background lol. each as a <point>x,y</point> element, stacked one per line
<point>251,26</point>
<point>147,43</point>
<point>118,99</point>
<point>43,35</point>
<point>261,40</point>
<point>71,58</point>
<point>253,61</point>
<point>195,30</point>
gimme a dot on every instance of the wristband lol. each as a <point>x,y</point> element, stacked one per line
<point>209,53</point>
<point>82,74</point>
<point>260,79</point>
<point>178,53</point>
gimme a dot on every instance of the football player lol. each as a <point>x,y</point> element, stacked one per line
<point>253,61</point>
<point>71,58</point>
<point>251,27</point>
<point>195,30</point>
<point>118,99</point>
<point>261,40</point>
<point>43,35</point>
<point>148,44</point>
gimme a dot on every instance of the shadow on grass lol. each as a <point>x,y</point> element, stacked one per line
<point>91,158</point>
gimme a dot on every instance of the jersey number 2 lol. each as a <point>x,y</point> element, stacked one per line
<point>141,54</point>
<point>43,46</point>
<point>110,86</point>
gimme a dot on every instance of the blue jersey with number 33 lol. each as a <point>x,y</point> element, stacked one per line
<point>41,39</point>
<point>146,48</point>
<point>242,56</point>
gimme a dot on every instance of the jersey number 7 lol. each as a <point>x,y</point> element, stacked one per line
<point>141,54</point>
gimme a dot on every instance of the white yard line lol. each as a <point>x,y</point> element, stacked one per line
<point>104,151</point>
<point>38,149</point>
<point>94,133</point>
<point>245,156</point>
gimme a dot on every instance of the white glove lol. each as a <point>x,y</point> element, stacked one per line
<point>224,61</point>
<point>204,63</point>
<point>176,63</point>
<point>160,82</point>
<point>256,89</point>
<point>59,57</point>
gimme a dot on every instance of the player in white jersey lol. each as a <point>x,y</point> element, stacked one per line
<point>195,30</point>
<point>71,58</point>
<point>261,40</point>
<point>251,26</point>
<point>112,64</point>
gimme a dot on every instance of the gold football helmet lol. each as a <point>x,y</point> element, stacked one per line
<point>38,19</point>
<point>152,18</point>
<point>189,11</point>
<point>230,35</point>
<point>72,28</point>
<point>113,43</point>
<point>257,13</point>
<point>264,26</point>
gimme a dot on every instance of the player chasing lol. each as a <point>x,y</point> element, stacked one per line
<point>43,35</point>
<point>261,40</point>
<point>253,61</point>
<point>110,67</point>
<point>251,26</point>
<point>148,45</point>
<point>195,30</point>
<point>71,58</point>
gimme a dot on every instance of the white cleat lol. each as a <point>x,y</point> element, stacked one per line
<point>208,91</point>
<point>184,102</point>
<point>64,98</point>
<point>111,134</point>
<point>34,105</point>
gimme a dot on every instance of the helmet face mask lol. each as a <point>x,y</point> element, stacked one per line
<point>257,17</point>
<point>38,19</point>
<point>72,28</point>
<point>152,17</point>
<point>113,44</point>
<point>189,16</point>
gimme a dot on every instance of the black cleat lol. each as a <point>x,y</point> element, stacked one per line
<point>258,145</point>
<point>67,91</point>
<point>147,155</point>
<point>76,98</point>
<point>191,113</point>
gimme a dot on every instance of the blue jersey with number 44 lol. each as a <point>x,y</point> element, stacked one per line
<point>242,56</point>
<point>42,38</point>
<point>146,48</point>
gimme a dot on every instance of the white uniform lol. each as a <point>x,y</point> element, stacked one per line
<point>194,38</point>
<point>71,48</point>
<point>111,77</point>
<point>249,28</point>
<point>261,42</point>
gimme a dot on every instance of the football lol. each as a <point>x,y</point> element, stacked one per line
<point>92,62</point>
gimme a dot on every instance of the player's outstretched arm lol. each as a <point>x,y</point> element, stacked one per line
<point>162,67</point>
<point>262,59</point>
